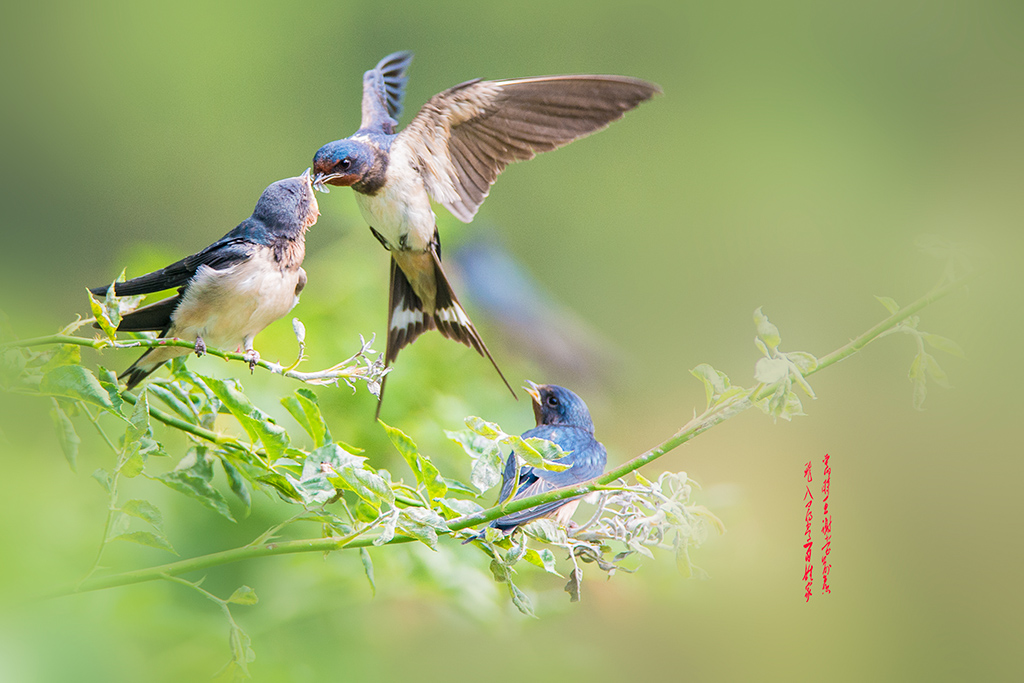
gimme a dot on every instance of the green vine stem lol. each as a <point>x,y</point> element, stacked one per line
<point>714,415</point>
<point>345,370</point>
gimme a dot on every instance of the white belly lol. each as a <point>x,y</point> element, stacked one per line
<point>231,306</point>
<point>400,212</point>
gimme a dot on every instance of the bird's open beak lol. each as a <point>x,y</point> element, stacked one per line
<point>533,390</point>
<point>320,181</point>
<point>305,174</point>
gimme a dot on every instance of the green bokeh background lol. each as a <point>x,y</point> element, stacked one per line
<point>799,150</point>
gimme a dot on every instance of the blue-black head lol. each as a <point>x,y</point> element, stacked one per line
<point>288,207</point>
<point>555,405</point>
<point>348,162</point>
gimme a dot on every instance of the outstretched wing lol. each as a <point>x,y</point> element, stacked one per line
<point>219,255</point>
<point>383,92</point>
<point>465,136</point>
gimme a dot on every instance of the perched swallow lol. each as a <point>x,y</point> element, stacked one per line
<point>562,417</point>
<point>230,291</point>
<point>452,151</point>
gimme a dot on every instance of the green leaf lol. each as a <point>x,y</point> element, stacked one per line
<point>472,443</point>
<point>305,408</point>
<point>520,600</point>
<point>138,423</point>
<point>484,428</point>
<point>243,595</point>
<point>575,585</point>
<point>284,485</point>
<point>488,462</point>
<point>770,370</point>
<point>138,427</point>
<point>715,382</point>
<point>104,478</point>
<point>132,467</point>
<point>364,555</point>
<point>367,485</point>
<point>65,354</point>
<point>76,383</point>
<point>423,469</point>
<point>172,402</point>
<point>804,362</point>
<point>890,304</point>
<point>108,380</point>
<point>486,472</point>
<point>147,538</point>
<point>423,533</point>
<point>256,423</point>
<point>531,455</point>
<point>544,558</point>
<point>426,517</point>
<point>66,434</point>
<point>499,571</point>
<point>767,332</point>
<point>143,510</point>
<point>236,482</point>
<point>546,530</point>
<point>944,344</point>
<point>931,366</point>
<point>366,512</point>
<point>190,483</point>
<point>918,376</point>
<point>549,450</point>
<point>103,315</point>
<point>456,486</point>
<point>387,531</point>
<point>460,507</point>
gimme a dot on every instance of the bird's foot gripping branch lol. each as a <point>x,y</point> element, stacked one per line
<point>361,508</point>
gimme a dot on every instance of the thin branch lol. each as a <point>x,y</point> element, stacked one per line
<point>344,370</point>
<point>698,425</point>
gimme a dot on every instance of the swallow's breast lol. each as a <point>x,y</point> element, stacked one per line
<point>400,210</point>
<point>228,306</point>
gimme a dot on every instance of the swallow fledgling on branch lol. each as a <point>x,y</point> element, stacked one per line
<point>562,417</point>
<point>452,151</point>
<point>230,291</point>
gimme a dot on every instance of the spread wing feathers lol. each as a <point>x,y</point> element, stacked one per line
<point>153,318</point>
<point>220,255</point>
<point>465,136</point>
<point>383,92</point>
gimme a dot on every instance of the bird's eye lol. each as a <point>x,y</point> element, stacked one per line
<point>552,401</point>
<point>346,163</point>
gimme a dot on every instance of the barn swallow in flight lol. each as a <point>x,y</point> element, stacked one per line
<point>230,291</point>
<point>562,417</point>
<point>452,151</point>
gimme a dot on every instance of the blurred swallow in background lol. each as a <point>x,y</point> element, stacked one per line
<point>230,291</point>
<point>452,151</point>
<point>533,321</point>
<point>562,417</point>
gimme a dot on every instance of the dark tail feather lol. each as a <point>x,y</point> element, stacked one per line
<point>135,374</point>
<point>407,320</point>
<point>479,536</point>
